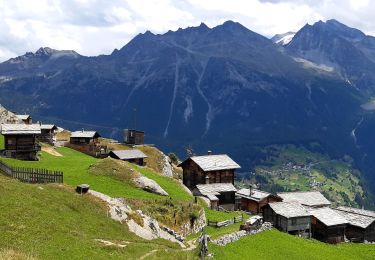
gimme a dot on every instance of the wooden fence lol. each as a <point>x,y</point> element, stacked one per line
<point>31,175</point>
<point>224,223</point>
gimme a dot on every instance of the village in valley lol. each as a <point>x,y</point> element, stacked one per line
<point>210,178</point>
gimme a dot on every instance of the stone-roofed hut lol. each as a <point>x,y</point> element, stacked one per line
<point>361,224</point>
<point>84,137</point>
<point>88,142</point>
<point>219,194</point>
<point>327,225</point>
<point>313,199</point>
<point>48,133</point>
<point>289,217</point>
<point>26,119</point>
<point>20,141</point>
<point>133,156</point>
<point>253,200</point>
<point>208,169</point>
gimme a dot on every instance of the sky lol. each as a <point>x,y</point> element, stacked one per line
<point>93,27</point>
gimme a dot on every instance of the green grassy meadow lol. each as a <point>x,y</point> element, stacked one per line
<point>53,222</point>
<point>277,245</point>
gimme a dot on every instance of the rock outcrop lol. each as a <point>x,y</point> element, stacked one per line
<point>149,185</point>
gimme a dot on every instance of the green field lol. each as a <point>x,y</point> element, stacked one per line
<point>276,245</point>
<point>53,222</point>
<point>75,166</point>
<point>1,142</point>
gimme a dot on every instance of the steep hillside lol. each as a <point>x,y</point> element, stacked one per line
<point>53,222</point>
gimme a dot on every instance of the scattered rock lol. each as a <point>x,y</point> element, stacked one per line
<point>149,185</point>
<point>167,166</point>
<point>109,243</point>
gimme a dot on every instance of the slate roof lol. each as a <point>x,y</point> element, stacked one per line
<point>328,216</point>
<point>129,154</point>
<point>215,162</point>
<point>23,117</point>
<point>256,195</point>
<point>308,198</point>
<point>84,134</point>
<point>289,209</point>
<point>20,129</point>
<point>215,188</point>
<point>47,127</point>
<point>355,219</point>
<point>358,211</point>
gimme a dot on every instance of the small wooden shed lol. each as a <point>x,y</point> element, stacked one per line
<point>289,217</point>
<point>20,141</point>
<point>313,199</point>
<point>361,224</point>
<point>327,225</point>
<point>253,200</point>
<point>219,194</point>
<point>84,137</point>
<point>134,137</point>
<point>133,156</point>
<point>208,169</point>
<point>48,133</point>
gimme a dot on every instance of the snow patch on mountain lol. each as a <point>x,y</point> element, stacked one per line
<point>283,39</point>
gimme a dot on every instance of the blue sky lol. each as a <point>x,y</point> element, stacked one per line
<point>93,27</point>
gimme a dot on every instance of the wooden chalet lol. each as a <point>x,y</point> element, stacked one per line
<point>84,137</point>
<point>313,199</point>
<point>215,176</point>
<point>48,133</point>
<point>26,119</point>
<point>327,225</point>
<point>219,194</point>
<point>208,169</point>
<point>20,141</point>
<point>253,200</point>
<point>88,142</point>
<point>289,217</point>
<point>134,137</point>
<point>361,224</point>
<point>133,156</point>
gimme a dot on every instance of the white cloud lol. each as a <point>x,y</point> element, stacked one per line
<point>94,27</point>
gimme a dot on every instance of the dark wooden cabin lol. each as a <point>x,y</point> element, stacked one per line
<point>208,169</point>
<point>312,199</point>
<point>84,137</point>
<point>48,133</point>
<point>327,225</point>
<point>288,217</point>
<point>20,141</point>
<point>253,200</point>
<point>133,156</point>
<point>361,224</point>
<point>26,119</point>
<point>205,174</point>
<point>134,137</point>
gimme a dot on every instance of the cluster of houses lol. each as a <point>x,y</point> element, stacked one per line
<point>22,138</point>
<point>211,177</point>
<point>306,214</point>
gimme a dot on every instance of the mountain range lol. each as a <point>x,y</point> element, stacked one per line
<point>226,89</point>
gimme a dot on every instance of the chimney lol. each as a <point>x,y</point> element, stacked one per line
<point>83,130</point>
<point>250,189</point>
<point>209,152</point>
<point>207,179</point>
